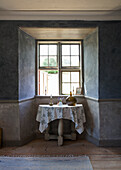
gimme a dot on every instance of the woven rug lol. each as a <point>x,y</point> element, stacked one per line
<point>45,163</point>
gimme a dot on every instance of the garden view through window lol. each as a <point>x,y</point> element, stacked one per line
<point>59,68</point>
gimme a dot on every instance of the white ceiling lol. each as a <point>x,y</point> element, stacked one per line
<point>60,4</point>
<point>60,9</point>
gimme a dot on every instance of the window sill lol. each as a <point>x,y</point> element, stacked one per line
<point>57,96</point>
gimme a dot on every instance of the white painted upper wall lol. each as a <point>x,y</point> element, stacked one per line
<point>60,9</point>
<point>60,4</point>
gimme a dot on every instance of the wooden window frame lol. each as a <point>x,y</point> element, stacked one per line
<point>59,60</point>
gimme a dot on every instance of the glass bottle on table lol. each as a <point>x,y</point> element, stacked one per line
<point>71,100</point>
<point>51,101</point>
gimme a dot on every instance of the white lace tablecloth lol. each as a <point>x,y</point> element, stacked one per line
<point>47,113</point>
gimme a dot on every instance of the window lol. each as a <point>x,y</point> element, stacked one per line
<point>59,70</point>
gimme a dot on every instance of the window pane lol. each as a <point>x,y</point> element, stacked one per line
<point>74,60</point>
<point>52,49</point>
<point>74,76</point>
<point>43,61</point>
<point>65,61</point>
<point>53,83</point>
<point>43,49</point>
<point>74,86</point>
<point>48,80</point>
<point>70,60</point>
<point>65,88</point>
<point>65,76</point>
<point>53,61</point>
<point>74,49</point>
<point>65,49</point>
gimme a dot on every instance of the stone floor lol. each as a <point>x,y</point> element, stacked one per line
<point>100,157</point>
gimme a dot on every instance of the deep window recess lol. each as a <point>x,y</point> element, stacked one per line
<point>59,70</point>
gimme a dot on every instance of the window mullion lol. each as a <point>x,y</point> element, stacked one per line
<point>70,80</point>
<point>48,55</point>
<point>70,55</point>
<point>70,66</point>
<point>59,67</point>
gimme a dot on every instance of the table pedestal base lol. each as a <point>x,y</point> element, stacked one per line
<point>60,140</point>
<point>60,132</point>
<point>60,135</point>
<point>47,136</point>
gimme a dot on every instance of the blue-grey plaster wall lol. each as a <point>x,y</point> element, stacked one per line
<point>110,120</point>
<point>9,122</point>
<point>27,120</point>
<point>91,65</point>
<point>109,55</point>
<point>108,71</point>
<point>110,60</point>
<point>8,61</point>
<point>26,66</point>
<point>92,118</point>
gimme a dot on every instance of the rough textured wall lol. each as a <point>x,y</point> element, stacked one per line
<point>110,122</point>
<point>8,61</point>
<point>109,52</point>
<point>27,120</point>
<point>91,65</point>
<point>26,66</point>
<point>110,60</point>
<point>93,119</point>
<point>110,117</point>
<point>9,122</point>
<point>109,77</point>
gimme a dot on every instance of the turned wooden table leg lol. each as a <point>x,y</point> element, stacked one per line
<point>60,132</point>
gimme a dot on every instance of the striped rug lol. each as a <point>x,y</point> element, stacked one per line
<point>45,163</point>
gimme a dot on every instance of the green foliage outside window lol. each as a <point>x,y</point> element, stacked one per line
<point>52,62</point>
<point>52,71</point>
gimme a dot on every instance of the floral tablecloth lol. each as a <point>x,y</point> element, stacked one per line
<point>47,113</point>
